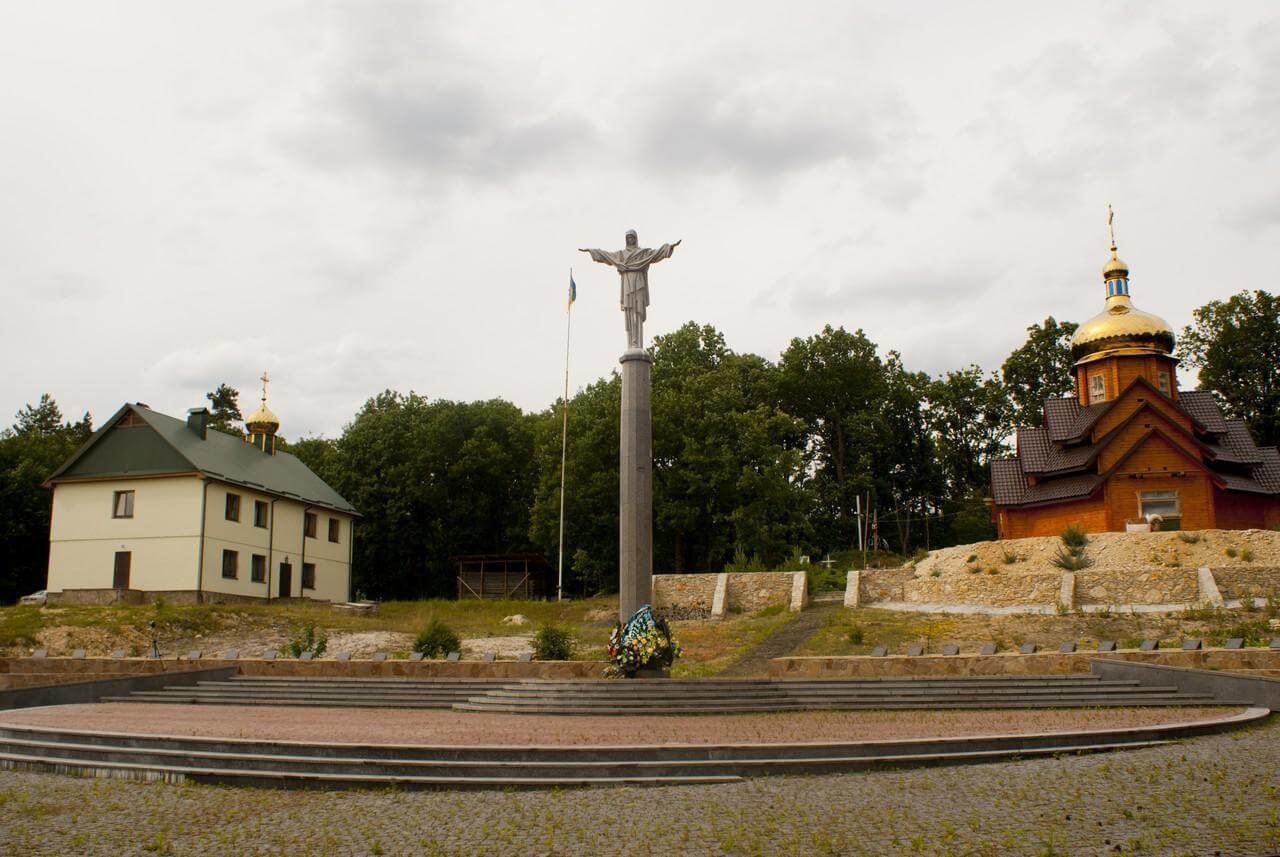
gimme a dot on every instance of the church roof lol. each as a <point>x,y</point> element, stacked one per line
<point>171,446</point>
<point>1054,462</point>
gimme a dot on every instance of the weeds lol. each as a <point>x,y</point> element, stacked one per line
<point>1231,552</point>
<point>855,635</point>
<point>1246,554</point>
<point>1010,557</point>
<point>306,639</point>
<point>1188,538</point>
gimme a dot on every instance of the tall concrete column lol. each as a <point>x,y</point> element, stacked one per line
<point>635,486</point>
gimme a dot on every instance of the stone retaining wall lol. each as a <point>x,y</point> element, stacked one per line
<point>1137,586</point>
<point>684,596</point>
<point>884,584</point>
<point>1237,582</point>
<point>60,670</point>
<point>1006,588</point>
<point>693,596</point>
<point>1041,663</point>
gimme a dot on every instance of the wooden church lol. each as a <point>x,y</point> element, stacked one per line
<point>1130,448</point>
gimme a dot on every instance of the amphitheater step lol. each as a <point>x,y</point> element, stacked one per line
<point>304,765</point>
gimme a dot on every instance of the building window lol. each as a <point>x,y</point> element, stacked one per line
<point>334,527</point>
<point>259,570</point>
<point>1097,389</point>
<point>1162,504</point>
<point>122,504</point>
<point>260,514</point>
<point>233,506</point>
<point>1162,382</point>
<point>230,564</point>
<point>309,525</point>
<point>308,575</point>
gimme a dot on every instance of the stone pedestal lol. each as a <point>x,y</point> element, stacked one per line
<point>635,486</point>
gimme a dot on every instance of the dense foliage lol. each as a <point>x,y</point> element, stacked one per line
<point>753,460</point>
<point>1236,346</point>
<point>437,640</point>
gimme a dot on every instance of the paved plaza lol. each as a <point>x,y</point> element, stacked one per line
<point>1214,795</point>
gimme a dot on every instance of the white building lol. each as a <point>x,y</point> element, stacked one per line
<point>155,506</point>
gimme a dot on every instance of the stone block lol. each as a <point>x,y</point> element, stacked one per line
<point>1067,648</point>
<point>987,649</point>
<point>1027,649</point>
<point>853,589</point>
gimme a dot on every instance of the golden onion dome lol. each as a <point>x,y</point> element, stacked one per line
<point>262,421</point>
<point>1120,327</point>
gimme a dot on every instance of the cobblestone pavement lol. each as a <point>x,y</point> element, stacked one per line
<point>1215,795</point>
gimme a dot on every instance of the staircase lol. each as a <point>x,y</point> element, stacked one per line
<point>676,696</point>
<point>340,766</point>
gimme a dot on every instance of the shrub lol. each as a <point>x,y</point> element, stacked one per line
<point>1231,552</point>
<point>855,634</point>
<point>553,643</point>
<point>1074,537</point>
<point>1010,557</point>
<point>1246,554</point>
<point>1071,561</point>
<point>436,640</point>
<point>973,557</point>
<point>306,638</point>
<point>1189,538</point>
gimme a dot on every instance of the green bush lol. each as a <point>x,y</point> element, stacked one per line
<point>437,640</point>
<point>1189,538</point>
<point>306,638</point>
<point>855,634</point>
<point>1069,560</point>
<point>1074,537</point>
<point>553,643</point>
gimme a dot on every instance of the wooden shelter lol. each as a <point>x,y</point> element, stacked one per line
<point>510,575</point>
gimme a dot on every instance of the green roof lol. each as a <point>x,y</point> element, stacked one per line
<point>167,445</point>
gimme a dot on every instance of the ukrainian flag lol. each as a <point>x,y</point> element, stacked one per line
<point>573,290</point>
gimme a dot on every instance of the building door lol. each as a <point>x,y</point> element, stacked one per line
<point>120,579</point>
<point>286,580</point>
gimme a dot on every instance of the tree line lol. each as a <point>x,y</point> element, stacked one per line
<point>754,460</point>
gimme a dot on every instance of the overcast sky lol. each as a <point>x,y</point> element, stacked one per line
<point>359,196</point>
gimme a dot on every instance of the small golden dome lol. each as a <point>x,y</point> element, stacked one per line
<point>1121,326</point>
<point>1114,267</point>
<point>262,421</point>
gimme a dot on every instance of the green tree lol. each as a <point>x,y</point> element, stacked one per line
<point>432,480</point>
<point>591,487</point>
<point>1039,369</point>
<point>969,418</point>
<point>907,479</point>
<point>1236,346</point>
<point>224,413</point>
<point>728,463</point>
<point>834,383</point>
<point>37,445</point>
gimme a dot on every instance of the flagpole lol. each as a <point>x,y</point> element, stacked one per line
<point>564,436</point>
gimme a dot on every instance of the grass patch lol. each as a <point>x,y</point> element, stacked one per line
<point>710,647</point>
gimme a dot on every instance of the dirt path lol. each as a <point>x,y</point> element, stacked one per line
<point>780,643</point>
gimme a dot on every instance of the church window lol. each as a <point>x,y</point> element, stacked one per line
<point>1162,381</point>
<point>1161,503</point>
<point>122,505</point>
<point>1097,389</point>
